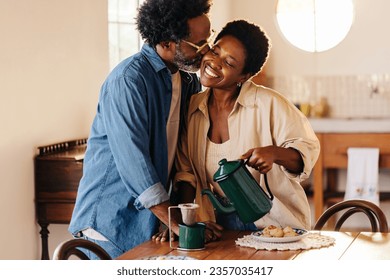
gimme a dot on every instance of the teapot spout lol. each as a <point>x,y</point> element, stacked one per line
<point>220,208</point>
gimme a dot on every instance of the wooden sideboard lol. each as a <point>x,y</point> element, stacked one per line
<point>58,170</point>
<point>333,156</point>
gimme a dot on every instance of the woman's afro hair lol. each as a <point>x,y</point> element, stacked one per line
<point>254,40</point>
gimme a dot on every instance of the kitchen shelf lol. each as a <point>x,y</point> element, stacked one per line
<point>350,125</point>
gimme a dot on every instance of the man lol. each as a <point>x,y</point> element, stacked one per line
<point>130,151</point>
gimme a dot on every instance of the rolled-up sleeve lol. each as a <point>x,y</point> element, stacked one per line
<point>154,195</point>
<point>309,150</point>
<point>307,145</point>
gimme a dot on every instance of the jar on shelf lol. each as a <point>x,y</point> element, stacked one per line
<point>321,109</point>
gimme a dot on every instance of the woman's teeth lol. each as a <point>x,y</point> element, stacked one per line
<point>209,72</point>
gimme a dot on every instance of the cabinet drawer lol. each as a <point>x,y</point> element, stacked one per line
<point>59,213</point>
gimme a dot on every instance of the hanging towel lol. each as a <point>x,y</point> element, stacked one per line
<point>362,174</point>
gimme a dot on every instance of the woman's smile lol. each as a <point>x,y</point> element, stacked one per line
<point>208,70</point>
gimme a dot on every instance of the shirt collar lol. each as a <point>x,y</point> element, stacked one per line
<point>247,96</point>
<point>158,64</point>
<point>153,58</point>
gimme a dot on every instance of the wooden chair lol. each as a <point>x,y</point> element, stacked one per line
<point>372,211</point>
<point>72,248</point>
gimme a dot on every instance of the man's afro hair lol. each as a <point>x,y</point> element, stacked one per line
<point>166,20</point>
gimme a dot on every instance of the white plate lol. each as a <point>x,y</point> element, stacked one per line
<point>167,257</point>
<point>301,233</point>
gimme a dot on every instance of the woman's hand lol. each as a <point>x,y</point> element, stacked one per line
<point>213,231</point>
<point>262,158</point>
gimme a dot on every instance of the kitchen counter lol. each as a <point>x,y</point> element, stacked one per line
<point>350,125</point>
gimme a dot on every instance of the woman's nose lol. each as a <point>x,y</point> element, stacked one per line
<point>215,63</point>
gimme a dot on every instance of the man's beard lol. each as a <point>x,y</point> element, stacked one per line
<point>184,64</point>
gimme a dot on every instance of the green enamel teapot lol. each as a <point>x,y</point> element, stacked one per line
<point>246,196</point>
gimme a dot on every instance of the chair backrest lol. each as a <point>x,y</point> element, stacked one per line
<point>372,211</point>
<point>72,248</point>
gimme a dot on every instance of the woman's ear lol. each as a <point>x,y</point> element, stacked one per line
<point>245,78</point>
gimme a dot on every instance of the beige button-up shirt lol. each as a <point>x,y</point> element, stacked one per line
<point>260,117</point>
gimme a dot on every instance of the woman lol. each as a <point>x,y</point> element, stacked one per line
<point>235,118</point>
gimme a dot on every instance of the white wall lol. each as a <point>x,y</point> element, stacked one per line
<point>53,58</point>
<point>220,13</point>
<point>365,50</point>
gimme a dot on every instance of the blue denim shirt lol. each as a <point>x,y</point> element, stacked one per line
<point>126,162</point>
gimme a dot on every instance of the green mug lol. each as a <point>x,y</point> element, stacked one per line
<point>191,237</point>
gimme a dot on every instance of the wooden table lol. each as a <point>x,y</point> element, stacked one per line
<point>348,245</point>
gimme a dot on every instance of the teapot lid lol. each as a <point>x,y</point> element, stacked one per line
<point>226,168</point>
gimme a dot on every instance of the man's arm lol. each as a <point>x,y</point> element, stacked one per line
<point>161,212</point>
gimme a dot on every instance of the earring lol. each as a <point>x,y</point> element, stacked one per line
<point>239,84</point>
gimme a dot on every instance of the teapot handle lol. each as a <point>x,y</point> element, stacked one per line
<point>270,194</point>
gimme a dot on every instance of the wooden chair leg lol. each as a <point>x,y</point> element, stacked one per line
<point>44,237</point>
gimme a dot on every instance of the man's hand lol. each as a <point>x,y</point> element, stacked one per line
<point>213,231</point>
<point>161,212</point>
<point>163,234</point>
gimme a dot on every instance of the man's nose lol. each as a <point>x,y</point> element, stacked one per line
<point>205,50</point>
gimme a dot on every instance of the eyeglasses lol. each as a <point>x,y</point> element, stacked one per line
<point>200,48</point>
